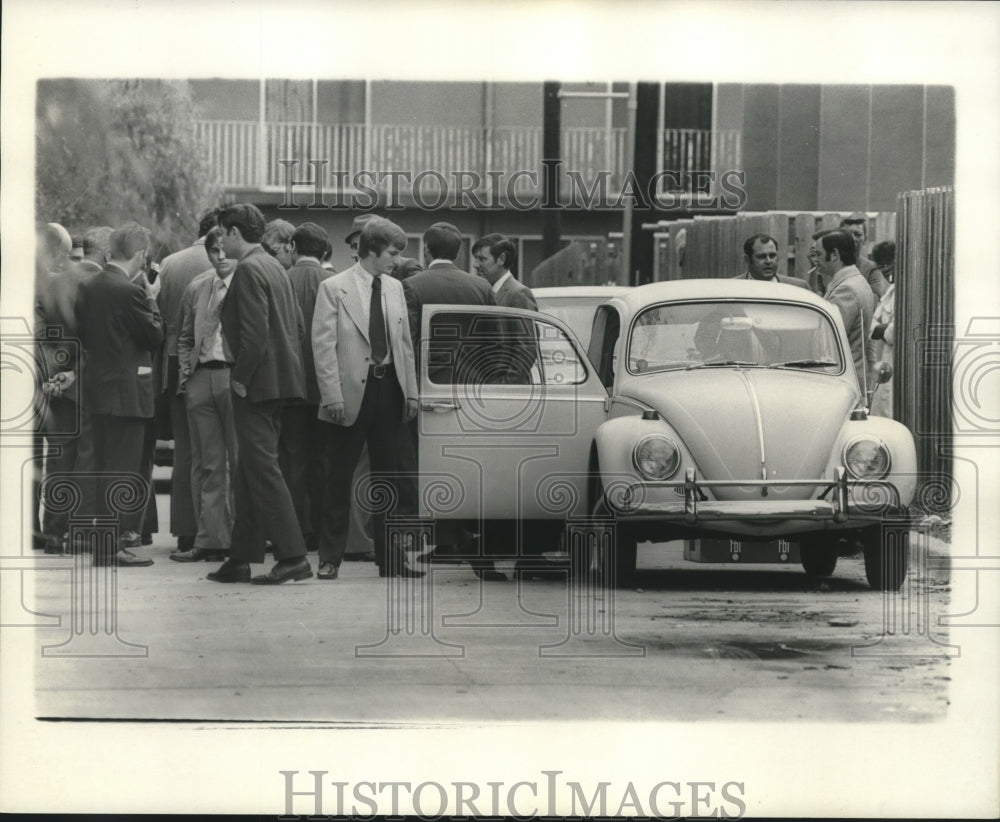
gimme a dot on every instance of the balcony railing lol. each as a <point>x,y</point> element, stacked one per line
<point>458,156</point>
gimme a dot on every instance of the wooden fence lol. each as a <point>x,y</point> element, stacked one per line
<point>713,246</point>
<point>595,263</point>
<point>925,332</point>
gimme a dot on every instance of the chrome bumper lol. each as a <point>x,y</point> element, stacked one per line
<point>833,504</point>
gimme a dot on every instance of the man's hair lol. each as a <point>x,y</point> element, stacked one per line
<point>311,240</point>
<point>748,244</point>
<point>127,240</point>
<point>327,252</point>
<point>443,241</point>
<point>213,238</point>
<point>855,219</point>
<point>51,241</point>
<point>377,235</point>
<point>276,232</point>
<point>208,221</point>
<point>842,242</point>
<point>96,240</point>
<point>245,218</point>
<point>498,244</point>
<point>884,253</point>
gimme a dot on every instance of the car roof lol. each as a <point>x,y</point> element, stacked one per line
<point>582,291</point>
<point>718,288</point>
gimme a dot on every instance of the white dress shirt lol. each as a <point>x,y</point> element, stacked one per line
<point>364,281</point>
<point>213,347</point>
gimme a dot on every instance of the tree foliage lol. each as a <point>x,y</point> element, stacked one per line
<point>109,151</point>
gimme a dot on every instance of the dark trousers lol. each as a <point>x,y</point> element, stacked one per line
<point>118,449</point>
<point>264,508</point>
<point>70,450</point>
<point>302,458</point>
<point>378,424</point>
<point>150,518</point>
<point>183,522</point>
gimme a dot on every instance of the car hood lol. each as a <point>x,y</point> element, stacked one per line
<point>726,416</point>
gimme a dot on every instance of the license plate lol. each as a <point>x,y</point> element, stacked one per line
<point>777,551</point>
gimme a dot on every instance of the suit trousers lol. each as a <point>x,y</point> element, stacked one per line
<point>378,423</point>
<point>182,515</point>
<point>209,404</point>
<point>264,508</point>
<point>69,450</point>
<point>150,522</point>
<point>118,449</point>
<point>302,458</point>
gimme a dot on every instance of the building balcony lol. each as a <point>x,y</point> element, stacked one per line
<point>498,165</point>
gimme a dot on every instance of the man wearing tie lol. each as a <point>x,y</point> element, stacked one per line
<point>204,361</point>
<point>367,383</point>
<point>262,325</point>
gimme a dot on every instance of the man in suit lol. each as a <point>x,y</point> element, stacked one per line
<point>120,327</point>
<point>300,449</point>
<point>850,292</point>
<point>262,326</point>
<point>177,272</point>
<point>204,361</point>
<point>857,226</point>
<point>760,253</point>
<point>367,383</point>
<point>277,241</point>
<point>495,257</point>
<point>442,282</point>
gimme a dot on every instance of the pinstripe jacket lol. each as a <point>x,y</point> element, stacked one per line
<point>341,349</point>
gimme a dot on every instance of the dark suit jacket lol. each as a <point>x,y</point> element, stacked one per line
<point>515,294</point>
<point>447,285</point>
<point>120,328</point>
<point>264,329</point>
<point>176,273</point>
<point>306,275</point>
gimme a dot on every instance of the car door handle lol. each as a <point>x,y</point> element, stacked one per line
<point>440,407</point>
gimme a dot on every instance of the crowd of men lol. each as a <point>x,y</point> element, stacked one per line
<point>285,382</point>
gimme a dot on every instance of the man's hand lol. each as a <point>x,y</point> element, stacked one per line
<point>152,288</point>
<point>411,409</point>
<point>336,412</point>
<point>59,383</point>
<point>181,386</point>
<point>238,388</point>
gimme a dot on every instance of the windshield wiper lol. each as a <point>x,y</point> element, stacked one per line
<point>803,364</point>
<point>717,363</point>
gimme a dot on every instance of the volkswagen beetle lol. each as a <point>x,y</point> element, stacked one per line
<point>726,413</point>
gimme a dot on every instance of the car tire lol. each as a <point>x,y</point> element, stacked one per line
<point>819,559</point>
<point>886,563</point>
<point>621,564</point>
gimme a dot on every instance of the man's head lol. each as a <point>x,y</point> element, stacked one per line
<point>97,244</point>
<point>76,249</point>
<point>379,245</point>
<point>128,247</point>
<point>52,247</point>
<point>856,226</point>
<point>277,241</point>
<point>207,221</point>
<point>442,241</point>
<point>832,251</point>
<point>884,256</point>
<point>761,254</point>
<point>406,267</point>
<point>242,228</point>
<point>493,256</point>
<point>216,255</point>
<point>309,240</point>
<point>354,235</point>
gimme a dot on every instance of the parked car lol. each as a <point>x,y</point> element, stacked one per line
<point>706,410</point>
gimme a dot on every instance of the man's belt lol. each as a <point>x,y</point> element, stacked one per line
<point>215,364</point>
<point>380,371</point>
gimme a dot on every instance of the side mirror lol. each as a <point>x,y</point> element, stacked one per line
<point>881,373</point>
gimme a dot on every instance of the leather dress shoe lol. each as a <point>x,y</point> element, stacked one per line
<point>366,556</point>
<point>185,544</point>
<point>327,570</point>
<point>197,555</point>
<point>230,571</point>
<point>284,570</point>
<point>123,559</point>
<point>130,539</point>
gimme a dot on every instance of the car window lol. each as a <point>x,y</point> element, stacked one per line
<point>576,312</point>
<point>466,348</point>
<point>686,335</point>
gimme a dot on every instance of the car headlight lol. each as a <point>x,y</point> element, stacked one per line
<point>867,458</point>
<point>656,457</point>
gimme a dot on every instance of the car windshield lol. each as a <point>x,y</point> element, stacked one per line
<point>733,333</point>
<point>576,312</point>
